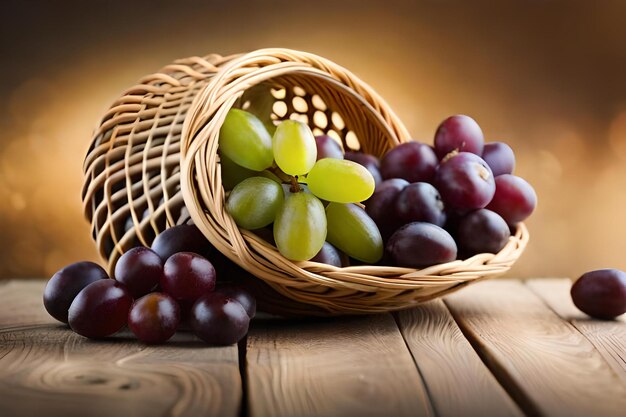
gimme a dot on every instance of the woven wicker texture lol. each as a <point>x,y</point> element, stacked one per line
<point>154,163</point>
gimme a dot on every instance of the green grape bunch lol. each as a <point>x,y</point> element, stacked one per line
<point>281,180</point>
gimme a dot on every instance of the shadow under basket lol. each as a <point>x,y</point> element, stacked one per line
<point>153,163</point>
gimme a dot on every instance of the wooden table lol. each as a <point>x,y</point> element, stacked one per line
<point>497,348</point>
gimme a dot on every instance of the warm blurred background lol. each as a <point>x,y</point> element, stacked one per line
<point>548,77</point>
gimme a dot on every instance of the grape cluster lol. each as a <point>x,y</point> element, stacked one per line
<point>423,205</point>
<point>302,186</point>
<point>455,199</point>
<point>153,291</point>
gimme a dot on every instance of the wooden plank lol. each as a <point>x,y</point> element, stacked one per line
<point>45,369</point>
<point>458,383</point>
<point>356,366</point>
<point>544,363</point>
<point>206,380</point>
<point>608,336</point>
<point>21,303</point>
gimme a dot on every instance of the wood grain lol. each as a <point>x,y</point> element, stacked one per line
<point>545,363</point>
<point>21,303</point>
<point>608,336</point>
<point>45,369</point>
<point>336,367</point>
<point>458,383</point>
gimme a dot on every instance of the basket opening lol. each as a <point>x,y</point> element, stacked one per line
<point>328,107</point>
<point>329,103</point>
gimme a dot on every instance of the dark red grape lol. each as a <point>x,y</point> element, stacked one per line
<point>241,295</point>
<point>140,270</point>
<point>601,293</point>
<point>412,161</point>
<point>500,158</point>
<point>482,231</point>
<point>187,276</point>
<point>465,182</point>
<point>420,202</point>
<point>362,158</point>
<point>188,238</point>
<point>381,204</point>
<point>514,199</point>
<point>460,133</point>
<point>370,162</point>
<point>154,318</point>
<point>100,309</point>
<point>65,285</point>
<point>328,255</point>
<point>327,147</point>
<point>182,238</point>
<point>219,320</point>
<point>420,244</point>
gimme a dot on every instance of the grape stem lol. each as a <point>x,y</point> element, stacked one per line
<point>295,187</point>
<point>450,155</point>
<point>280,174</point>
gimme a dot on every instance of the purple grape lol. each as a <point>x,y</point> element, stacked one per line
<point>381,204</point>
<point>154,318</point>
<point>100,309</point>
<point>460,133</point>
<point>465,182</point>
<point>140,270</point>
<point>601,293</point>
<point>328,255</point>
<point>219,320</point>
<point>500,158</point>
<point>514,199</point>
<point>482,231</point>
<point>370,162</point>
<point>65,285</point>
<point>418,245</point>
<point>187,276</point>
<point>365,159</point>
<point>412,161</point>
<point>420,202</point>
<point>327,147</point>
<point>182,238</point>
<point>188,238</point>
<point>241,295</point>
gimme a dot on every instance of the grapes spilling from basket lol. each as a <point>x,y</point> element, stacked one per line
<point>153,294</point>
<point>415,207</point>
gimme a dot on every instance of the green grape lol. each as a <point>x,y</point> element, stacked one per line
<point>233,174</point>
<point>300,226</point>
<point>270,175</point>
<point>245,140</point>
<point>254,202</point>
<point>340,180</point>
<point>352,231</point>
<point>294,147</point>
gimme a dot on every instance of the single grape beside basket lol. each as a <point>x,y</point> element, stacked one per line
<point>155,162</point>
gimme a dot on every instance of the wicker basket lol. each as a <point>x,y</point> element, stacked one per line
<point>153,163</point>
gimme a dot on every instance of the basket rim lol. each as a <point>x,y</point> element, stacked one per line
<point>368,278</point>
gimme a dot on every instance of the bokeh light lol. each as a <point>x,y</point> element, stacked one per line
<point>545,76</point>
